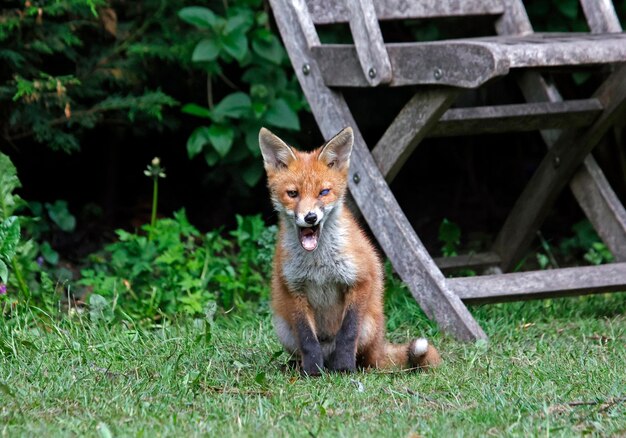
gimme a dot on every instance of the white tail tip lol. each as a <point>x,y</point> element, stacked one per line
<point>419,347</point>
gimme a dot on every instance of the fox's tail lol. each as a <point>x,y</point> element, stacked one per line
<point>416,354</point>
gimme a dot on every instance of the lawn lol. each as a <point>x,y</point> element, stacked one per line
<point>553,367</point>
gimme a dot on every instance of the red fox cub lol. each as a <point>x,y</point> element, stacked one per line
<point>327,285</point>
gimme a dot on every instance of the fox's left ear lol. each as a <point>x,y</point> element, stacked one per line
<point>336,153</point>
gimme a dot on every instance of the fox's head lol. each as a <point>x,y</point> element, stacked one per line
<point>305,187</point>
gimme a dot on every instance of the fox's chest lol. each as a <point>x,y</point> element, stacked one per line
<point>318,271</point>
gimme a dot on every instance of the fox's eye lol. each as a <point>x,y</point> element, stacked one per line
<point>324,192</point>
<point>292,193</point>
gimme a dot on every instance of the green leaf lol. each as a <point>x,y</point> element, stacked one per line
<point>211,157</point>
<point>270,50</point>
<point>221,137</point>
<point>61,216</point>
<point>9,237</point>
<point>206,50</point>
<point>234,105</point>
<point>569,8</point>
<point>4,272</point>
<point>281,115</point>
<point>8,183</point>
<point>252,140</point>
<point>199,16</point>
<point>236,45</point>
<point>450,236</point>
<point>449,232</point>
<point>198,138</point>
<point>239,23</point>
<point>196,110</point>
<point>49,254</point>
<point>99,309</point>
<point>260,378</point>
<point>252,173</point>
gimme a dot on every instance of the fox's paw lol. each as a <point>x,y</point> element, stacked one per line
<point>423,355</point>
<point>311,368</point>
<point>343,363</point>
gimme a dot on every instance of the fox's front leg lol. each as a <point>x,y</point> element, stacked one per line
<point>344,356</point>
<point>309,346</point>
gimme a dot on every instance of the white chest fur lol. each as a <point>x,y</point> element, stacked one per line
<point>323,273</point>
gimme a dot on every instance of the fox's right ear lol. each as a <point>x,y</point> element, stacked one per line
<point>276,153</point>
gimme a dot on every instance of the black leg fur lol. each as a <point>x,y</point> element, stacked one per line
<point>344,356</point>
<point>312,358</point>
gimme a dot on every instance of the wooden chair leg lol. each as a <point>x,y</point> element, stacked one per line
<point>391,228</point>
<point>556,170</point>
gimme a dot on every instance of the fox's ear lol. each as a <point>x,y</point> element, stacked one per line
<point>276,153</point>
<point>336,153</point>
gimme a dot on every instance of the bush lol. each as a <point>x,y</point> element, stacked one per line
<point>69,66</point>
<point>179,270</point>
<point>267,91</point>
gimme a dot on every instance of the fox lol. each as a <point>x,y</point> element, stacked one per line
<point>327,283</point>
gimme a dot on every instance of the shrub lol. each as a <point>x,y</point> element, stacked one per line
<point>179,270</point>
<point>267,93</point>
<point>67,66</point>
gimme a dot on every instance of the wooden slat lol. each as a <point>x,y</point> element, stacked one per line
<point>461,64</point>
<point>409,128</point>
<point>471,62</point>
<point>601,16</point>
<point>541,284</point>
<point>555,171</point>
<point>468,261</point>
<point>382,212</point>
<point>518,117</point>
<point>369,43</point>
<point>335,11</point>
<point>554,50</point>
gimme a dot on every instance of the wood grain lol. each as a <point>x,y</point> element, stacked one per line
<point>516,118</point>
<point>335,11</point>
<point>541,284</point>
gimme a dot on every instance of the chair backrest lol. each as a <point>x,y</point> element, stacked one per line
<point>333,11</point>
<point>364,15</point>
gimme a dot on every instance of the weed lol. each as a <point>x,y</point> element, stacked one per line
<point>175,269</point>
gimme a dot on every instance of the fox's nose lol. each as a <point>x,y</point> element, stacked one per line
<point>310,218</point>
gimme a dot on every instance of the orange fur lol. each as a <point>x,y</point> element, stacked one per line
<point>356,274</point>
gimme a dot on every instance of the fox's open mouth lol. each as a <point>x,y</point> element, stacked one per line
<point>309,236</point>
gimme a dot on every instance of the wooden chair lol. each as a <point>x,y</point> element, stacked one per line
<point>570,129</point>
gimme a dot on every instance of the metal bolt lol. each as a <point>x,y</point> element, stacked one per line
<point>438,73</point>
<point>306,69</point>
<point>356,178</point>
<point>556,161</point>
<point>372,73</point>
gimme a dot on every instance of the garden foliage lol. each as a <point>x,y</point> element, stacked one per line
<point>268,95</point>
<point>68,66</point>
<point>181,270</point>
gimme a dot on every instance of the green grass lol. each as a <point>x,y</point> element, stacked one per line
<point>70,377</point>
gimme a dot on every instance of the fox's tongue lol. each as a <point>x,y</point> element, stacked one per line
<point>308,238</point>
